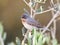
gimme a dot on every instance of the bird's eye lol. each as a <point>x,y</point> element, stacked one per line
<point>24,16</point>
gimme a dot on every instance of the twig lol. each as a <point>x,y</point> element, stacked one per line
<point>31,10</point>
<point>26,11</point>
<point>35,10</point>
<point>54,27</point>
<point>56,15</point>
<point>52,33</point>
<point>25,37</point>
<point>44,11</point>
<point>54,23</point>
<point>29,5</point>
<point>52,2</point>
<point>40,1</point>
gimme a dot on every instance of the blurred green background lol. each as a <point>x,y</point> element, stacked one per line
<point>10,12</point>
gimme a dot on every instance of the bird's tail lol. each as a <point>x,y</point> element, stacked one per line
<point>44,29</point>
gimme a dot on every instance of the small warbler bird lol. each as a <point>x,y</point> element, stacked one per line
<point>30,23</point>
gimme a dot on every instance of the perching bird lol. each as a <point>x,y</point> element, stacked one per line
<point>30,23</point>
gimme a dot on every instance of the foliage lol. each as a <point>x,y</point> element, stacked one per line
<point>2,34</point>
<point>38,38</point>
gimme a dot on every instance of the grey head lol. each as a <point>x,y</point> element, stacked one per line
<point>25,16</point>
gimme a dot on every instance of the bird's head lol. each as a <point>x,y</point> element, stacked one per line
<point>25,16</point>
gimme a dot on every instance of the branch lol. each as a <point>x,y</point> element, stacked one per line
<point>44,11</point>
<point>29,5</point>
<point>56,15</point>
<point>25,37</point>
<point>54,23</point>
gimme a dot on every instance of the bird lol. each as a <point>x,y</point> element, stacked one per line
<point>30,23</point>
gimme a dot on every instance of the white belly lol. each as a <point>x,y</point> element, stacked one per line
<point>29,27</point>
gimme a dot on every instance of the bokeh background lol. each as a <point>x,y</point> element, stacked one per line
<point>10,12</point>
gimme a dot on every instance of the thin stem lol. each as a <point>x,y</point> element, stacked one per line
<point>25,37</point>
<point>54,27</point>
<point>58,3</point>
<point>31,8</point>
<point>31,12</point>
<point>52,2</point>
<point>44,11</point>
<point>35,10</point>
<point>29,5</point>
<point>54,24</point>
<point>56,15</point>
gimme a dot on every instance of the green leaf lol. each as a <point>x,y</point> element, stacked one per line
<point>54,42</point>
<point>32,31</point>
<point>4,36</point>
<point>18,41</point>
<point>47,39</point>
<point>1,28</point>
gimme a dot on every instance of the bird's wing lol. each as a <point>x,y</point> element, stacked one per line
<point>33,22</point>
